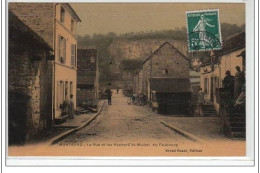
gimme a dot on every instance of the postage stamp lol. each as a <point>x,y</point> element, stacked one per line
<point>203,28</point>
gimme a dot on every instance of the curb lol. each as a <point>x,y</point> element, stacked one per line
<point>183,133</point>
<point>69,132</point>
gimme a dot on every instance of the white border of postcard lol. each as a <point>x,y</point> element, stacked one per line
<point>252,118</point>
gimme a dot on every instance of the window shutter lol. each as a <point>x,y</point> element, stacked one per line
<point>72,55</point>
<point>75,46</point>
<point>59,48</point>
<point>58,95</point>
<point>64,49</point>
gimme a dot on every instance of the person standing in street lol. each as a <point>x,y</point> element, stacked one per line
<point>109,96</point>
<point>228,83</point>
<point>201,100</point>
<point>71,107</point>
<point>239,82</point>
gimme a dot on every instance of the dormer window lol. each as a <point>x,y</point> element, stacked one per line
<point>62,15</point>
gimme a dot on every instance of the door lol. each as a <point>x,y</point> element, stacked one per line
<point>211,89</point>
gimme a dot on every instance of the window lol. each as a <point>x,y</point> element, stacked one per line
<point>71,88</point>
<point>92,59</point>
<point>62,15</point>
<point>165,71</point>
<point>73,55</point>
<point>62,49</point>
<point>66,90</point>
<point>60,93</point>
<point>72,25</point>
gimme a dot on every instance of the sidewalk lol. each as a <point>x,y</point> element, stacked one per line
<point>204,128</point>
<point>77,123</point>
<point>80,119</point>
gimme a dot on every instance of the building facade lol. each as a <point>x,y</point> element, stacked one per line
<point>165,62</point>
<point>87,77</point>
<point>164,79</point>
<point>56,23</point>
<point>213,71</point>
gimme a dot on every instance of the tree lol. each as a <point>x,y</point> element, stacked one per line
<point>131,65</point>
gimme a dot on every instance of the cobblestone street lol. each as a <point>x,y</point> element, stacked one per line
<point>121,122</point>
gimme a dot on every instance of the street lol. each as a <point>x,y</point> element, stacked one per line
<point>121,122</point>
<point>130,130</point>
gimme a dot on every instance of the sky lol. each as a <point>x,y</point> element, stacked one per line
<point>102,18</point>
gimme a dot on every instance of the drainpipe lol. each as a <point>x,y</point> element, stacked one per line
<point>53,65</point>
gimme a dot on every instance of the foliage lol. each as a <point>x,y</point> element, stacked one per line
<point>131,65</point>
<point>102,41</point>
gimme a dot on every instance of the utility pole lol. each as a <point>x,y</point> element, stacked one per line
<point>151,71</point>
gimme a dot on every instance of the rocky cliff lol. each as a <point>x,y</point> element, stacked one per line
<point>121,49</point>
<point>140,49</point>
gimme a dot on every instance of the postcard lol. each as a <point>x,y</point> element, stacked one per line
<point>122,80</point>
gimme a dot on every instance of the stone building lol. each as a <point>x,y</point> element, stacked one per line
<point>87,77</point>
<point>138,78</point>
<point>161,72</point>
<point>167,62</point>
<point>29,82</point>
<point>56,23</point>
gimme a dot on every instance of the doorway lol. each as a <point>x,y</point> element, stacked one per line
<point>211,89</point>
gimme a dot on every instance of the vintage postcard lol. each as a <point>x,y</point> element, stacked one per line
<point>129,80</point>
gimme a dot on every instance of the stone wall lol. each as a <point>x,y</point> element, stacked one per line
<point>84,95</point>
<point>138,82</point>
<point>37,16</point>
<point>167,62</point>
<point>29,89</point>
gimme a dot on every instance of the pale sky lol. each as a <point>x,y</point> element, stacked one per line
<point>119,18</point>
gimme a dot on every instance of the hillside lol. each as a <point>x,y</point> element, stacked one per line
<point>113,48</point>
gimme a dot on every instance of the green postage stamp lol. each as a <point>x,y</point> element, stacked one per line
<point>204,32</point>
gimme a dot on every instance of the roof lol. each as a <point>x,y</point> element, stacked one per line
<point>231,44</point>
<point>165,43</point>
<point>74,14</point>
<point>171,85</point>
<point>18,29</point>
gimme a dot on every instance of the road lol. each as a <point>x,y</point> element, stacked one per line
<point>129,130</point>
<point>121,122</point>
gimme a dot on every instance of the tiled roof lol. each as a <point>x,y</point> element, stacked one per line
<point>231,44</point>
<point>73,12</point>
<point>18,29</point>
<point>171,85</point>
